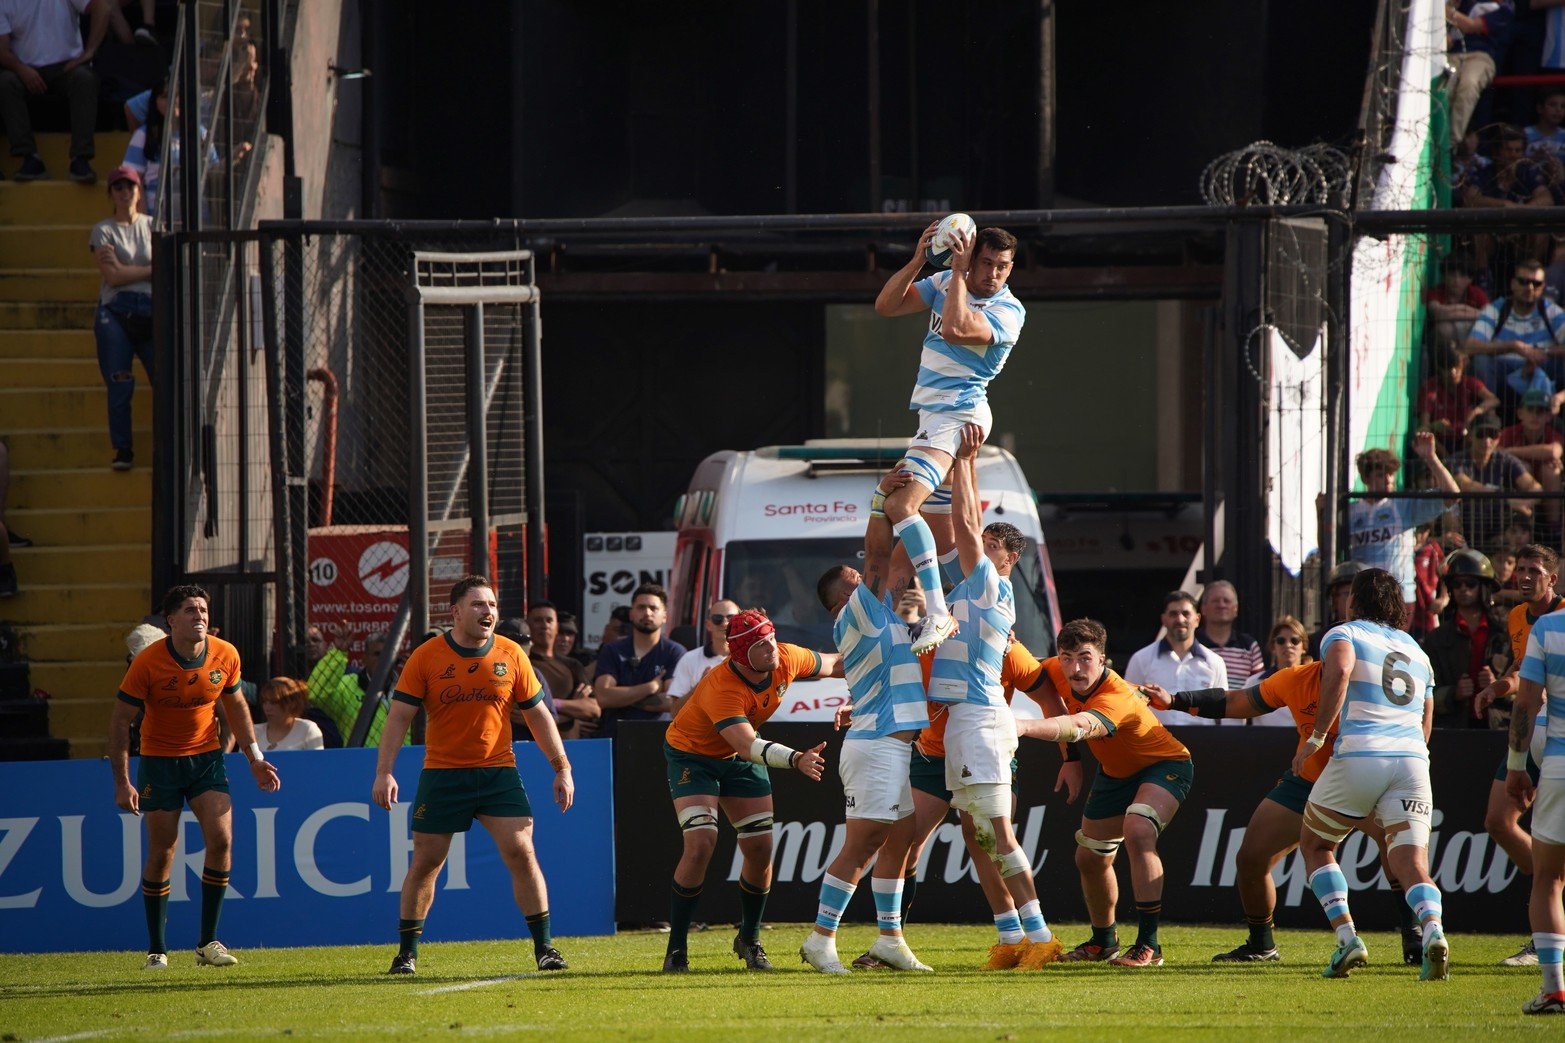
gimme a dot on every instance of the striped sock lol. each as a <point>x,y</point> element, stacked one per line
<point>214,885</point>
<point>835,895</point>
<point>1031,916</point>
<point>154,897</point>
<point>1424,900</point>
<point>1009,924</point>
<point>888,903</point>
<point>1331,888</point>
<point>919,543</point>
<point>1551,953</point>
<point>408,932</point>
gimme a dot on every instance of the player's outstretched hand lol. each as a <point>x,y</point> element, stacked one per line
<point>811,764</point>
<point>266,776</point>
<point>385,792</point>
<point>564,790</point>
<point>126,798</point>
<point>842,718</point>
<point>1519,787</point>
<point>1070,779</point>
<point>1487,695</point>
<point>1157,696</point>
<point>972,438</point>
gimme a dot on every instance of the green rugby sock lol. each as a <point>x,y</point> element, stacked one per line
<point>154,897</point>
<point>680,909</point>
<point>1146,931</point>
<point>538,926</point>
<point>752,903</point>
<point>1106,937</point>
<point>1261,934</point>
<point>214,885</point>
<point>909,889</point>
<point>408,933</point>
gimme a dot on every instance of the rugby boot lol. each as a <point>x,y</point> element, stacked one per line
<point>1248,953</point>
<point>403,963</point>
<point>212,954</point>
<point>676,962</point>
<point>1545,1003</point>
<point>156,961</point>
<point>1039,954</point>
<point>1090,952</point>
<point>549,959</point>
<point>1526,956</point>
<point>867,962</point>
<point>933,634</point>
<point>820,951</point>
<point>1005,955</point>
<point>894,952</point>
<point>1139,955</point>
<point>1346,958</point>
<point>1436,964</point>
<point>752,954</point>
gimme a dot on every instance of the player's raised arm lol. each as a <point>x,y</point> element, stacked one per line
<point>757,750</point>
<point>960,324</point>
<point>898,297</point>
<point>966,508</point>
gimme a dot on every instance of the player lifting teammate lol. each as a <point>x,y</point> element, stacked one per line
<point>974,322</point>
<point>466,681</point>
<point>177,684</point>
<point>716,759</point>
<point>1379,680</point>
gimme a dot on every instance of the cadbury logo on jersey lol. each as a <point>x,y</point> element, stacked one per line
<point>174,702</point>
<point>458,694</point>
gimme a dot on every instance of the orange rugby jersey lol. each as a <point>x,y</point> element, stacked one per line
<point>1298,688</point>
<point>1136,738</point>
<point>464,693</point>
<point>1019,670</point>
<point>1519,624</point>
<point>722,698</point>
<point>180,695</point>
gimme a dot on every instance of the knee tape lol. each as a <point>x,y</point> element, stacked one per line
<point>1325,824</point>
<point>1106,848</point>
<point>939,501</point>
<point>1147,811</point>
<point>759,824</point>
<point>986,800</point>
<point>877,503</point>
<point>926,471</point>
<point>698,816</point>
<point>1013,862</point>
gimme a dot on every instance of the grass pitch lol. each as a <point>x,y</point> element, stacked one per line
<point>615,989</point>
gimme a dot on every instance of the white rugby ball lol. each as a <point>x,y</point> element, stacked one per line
<point>939,253</point>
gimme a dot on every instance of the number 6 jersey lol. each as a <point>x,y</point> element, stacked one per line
<point>1383,714</point>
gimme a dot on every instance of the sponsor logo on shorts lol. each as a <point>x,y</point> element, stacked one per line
<point>420,812</point>
<point>1175,778</point>
<point>851,803</point>
<point>215,676</point>
<point>1416,807</point>
<point>449,673</point>
<point>499,669</point>
<point>684,777</point>
<point>965,773</point>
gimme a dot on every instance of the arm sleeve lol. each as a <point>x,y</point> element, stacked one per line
<point>528,689</point>
<point>800,661</point>
<point>136,151</point>
<point>411,686</point>
<point>927,290</point>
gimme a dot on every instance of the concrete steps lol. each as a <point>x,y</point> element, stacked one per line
<point>104,562</point>
<point>49,343</point>
<point>70,487</point>
<point>33,316</point>
<point>64,642</point>
<point>71,602</point>
<point>84,447</point>
<point>49,284</point>
<point>52,202</point>
<point>55,150</point>
<point>44,372</point>
<point>67,526</point>
<point>36,408</point>
<point>49,246</point>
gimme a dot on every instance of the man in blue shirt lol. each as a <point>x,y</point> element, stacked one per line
<point>974,322</point>
<point>1524,327</point>
<point>634,672</point>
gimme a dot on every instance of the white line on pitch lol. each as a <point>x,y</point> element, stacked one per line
<point>464,986</point>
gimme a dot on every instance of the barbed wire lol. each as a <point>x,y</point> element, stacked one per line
<point>1265,174</point>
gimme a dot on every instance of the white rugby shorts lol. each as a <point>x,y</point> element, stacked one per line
<point>943,431</point>
<point>1548,812</point>
<point>1393,789</point>
<point>875,778</point>
<point>980,742</point>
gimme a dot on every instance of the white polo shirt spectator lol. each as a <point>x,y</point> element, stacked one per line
<point>1177,661</point>
<point>694,664</point>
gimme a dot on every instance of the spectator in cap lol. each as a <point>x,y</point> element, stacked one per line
<point>1485,467</point>
<point>122,246</point>
<point>1471,646</point>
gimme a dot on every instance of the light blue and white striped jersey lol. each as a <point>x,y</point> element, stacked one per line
<point>1383,715</point>
<point>1544,663</point>
<point>968,663</point>
<point>1554,38</point>
<point>951,377</point>
<point>883,676</point>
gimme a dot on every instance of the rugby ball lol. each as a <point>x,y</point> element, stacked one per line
<point>939,252</point>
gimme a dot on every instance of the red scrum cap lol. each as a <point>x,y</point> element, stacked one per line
<point>746,630</point>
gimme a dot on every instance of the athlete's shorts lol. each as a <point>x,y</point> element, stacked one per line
<point>942,431</point>
<point>691,774</point>
<point>875,779</point>
<point>1109,797</point>
<point>1292,792</point>
<point>449,798</point>
<point>980,745</point>
<point>1548,812</point>
<point>167,783</point>
<point>928,774</point>
<point>1532,771</point>
<point>1394,789</point>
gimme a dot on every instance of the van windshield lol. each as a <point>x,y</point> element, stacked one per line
<point>780,576</point>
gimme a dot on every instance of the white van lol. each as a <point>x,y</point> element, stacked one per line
<point>759,527</point>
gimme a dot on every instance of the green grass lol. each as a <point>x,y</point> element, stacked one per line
<point>614,988</point>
